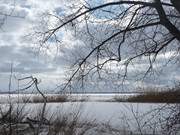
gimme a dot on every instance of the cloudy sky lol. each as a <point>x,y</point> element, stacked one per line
<point>49,66</point>
<point>22,53</point>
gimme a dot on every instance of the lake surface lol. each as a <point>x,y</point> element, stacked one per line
<point>99,108</point>
<point>118,115</point>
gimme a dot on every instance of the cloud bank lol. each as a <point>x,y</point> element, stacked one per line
<point>50,66</point>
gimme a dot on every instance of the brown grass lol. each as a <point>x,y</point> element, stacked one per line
<point>50,98</point>
<point>157,97</point>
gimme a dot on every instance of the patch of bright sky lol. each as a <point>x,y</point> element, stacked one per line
<point>106,12</point>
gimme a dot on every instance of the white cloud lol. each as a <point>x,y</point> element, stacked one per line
<point>15,48</point>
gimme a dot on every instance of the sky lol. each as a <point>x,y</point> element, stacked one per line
<point>19,49</point>
<point>15,49</point>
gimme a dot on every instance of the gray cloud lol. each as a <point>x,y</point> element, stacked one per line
<point>15,49</point>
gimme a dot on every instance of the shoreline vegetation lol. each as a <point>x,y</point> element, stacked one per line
<point>142,95</point>
<point>170,96</point>
<point>156,97</point>
<point>153,97</point>
<point>16,118</point>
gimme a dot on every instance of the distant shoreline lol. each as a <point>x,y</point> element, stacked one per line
<point>131,97</point>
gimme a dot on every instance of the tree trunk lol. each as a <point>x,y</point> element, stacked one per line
<point>176,4</point>
<point>164,20</point>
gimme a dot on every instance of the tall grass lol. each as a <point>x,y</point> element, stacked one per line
<point>156,95</point>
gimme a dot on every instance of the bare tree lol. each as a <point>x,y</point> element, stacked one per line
<point>117,33</point>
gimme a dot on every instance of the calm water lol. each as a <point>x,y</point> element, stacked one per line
<point>116,114</point>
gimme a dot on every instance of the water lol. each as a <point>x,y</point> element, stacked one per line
<point>132,116</point>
